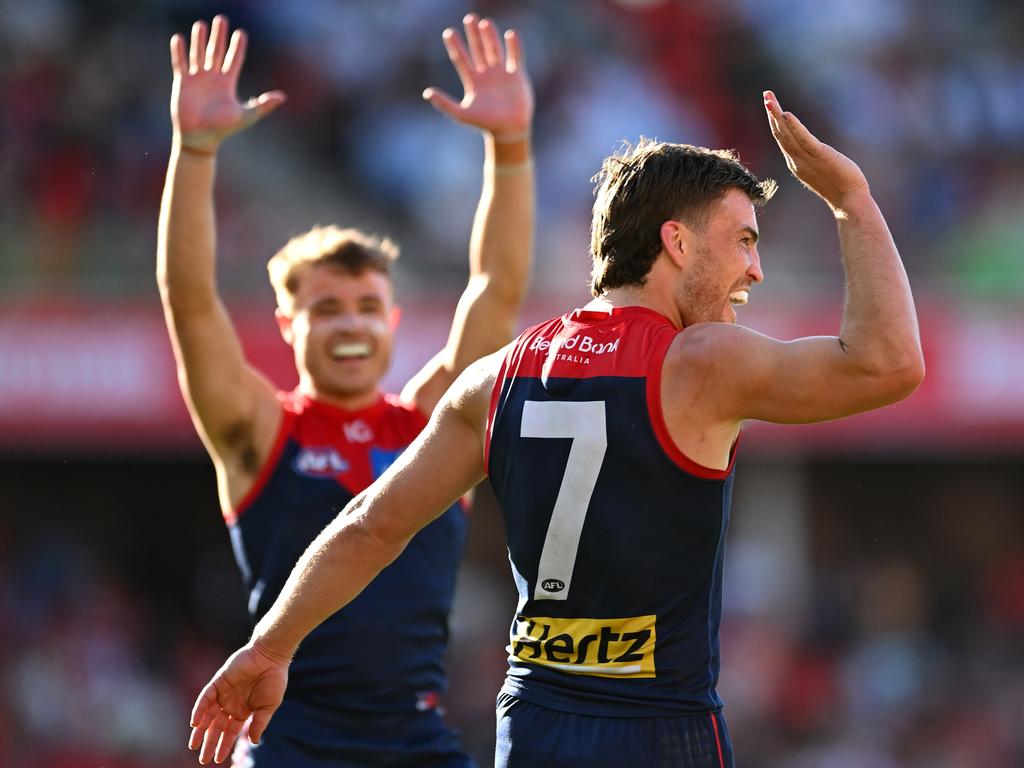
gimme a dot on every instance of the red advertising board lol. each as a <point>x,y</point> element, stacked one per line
<point>101,378</point>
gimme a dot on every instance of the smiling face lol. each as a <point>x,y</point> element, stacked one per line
<point>341,328</point>
<point>722,262</point>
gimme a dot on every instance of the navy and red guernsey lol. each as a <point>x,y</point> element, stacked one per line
<point>382,653</point>
<point>615,537</point>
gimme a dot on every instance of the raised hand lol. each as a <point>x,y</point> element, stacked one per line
<point>826,172</point>
<point>251,683</point>
<point>205,108</point>
<point>497,96</point>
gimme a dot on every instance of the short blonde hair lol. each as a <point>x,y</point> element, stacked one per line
<point>349,250</point>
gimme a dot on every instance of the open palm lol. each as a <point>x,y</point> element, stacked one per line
<point>824,170</point>
<point>204,105</point>
<point>497,93</point>
<point>250,683</point>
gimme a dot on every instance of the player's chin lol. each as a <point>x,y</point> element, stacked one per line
<point>348,388</point>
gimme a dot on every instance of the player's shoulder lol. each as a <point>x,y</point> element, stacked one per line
<point>706,345</point>
<point>292,401</point>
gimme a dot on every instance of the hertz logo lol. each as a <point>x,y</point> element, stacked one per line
<point>599,647</point>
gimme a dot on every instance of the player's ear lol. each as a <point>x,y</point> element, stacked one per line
<point>674,241</point>
<point>284,325</point>
<point>394,317</point>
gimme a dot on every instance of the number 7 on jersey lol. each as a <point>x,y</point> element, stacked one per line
<point>584,423</point>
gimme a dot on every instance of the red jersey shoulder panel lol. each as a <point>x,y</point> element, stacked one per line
<point>629,342</point>
<point>389,424</point>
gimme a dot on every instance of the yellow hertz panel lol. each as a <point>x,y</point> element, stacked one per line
<point>599,647</point>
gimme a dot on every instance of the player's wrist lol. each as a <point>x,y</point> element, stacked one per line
<point>194,147</point>
<point>503,169</point>
<point>510,151</point>
<point>510,136</point>
<point>853,203</point>
<point>266,649</point>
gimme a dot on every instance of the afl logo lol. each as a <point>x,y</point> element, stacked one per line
<point>319,462</point>
<point>552,585</point>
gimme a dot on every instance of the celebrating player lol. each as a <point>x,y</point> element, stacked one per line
<point>609,436</point>
<point>365,684</point>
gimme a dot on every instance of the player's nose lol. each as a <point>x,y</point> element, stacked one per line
<point>754,271</point>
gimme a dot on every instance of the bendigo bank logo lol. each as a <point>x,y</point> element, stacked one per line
<point>598,647</point>
<point>583,345</point>
<point>319,462</point>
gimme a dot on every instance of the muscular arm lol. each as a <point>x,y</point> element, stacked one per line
<point>876,357</point>
<point>444,462</point>
<point>499,101</point>
<point>232,405</point>
<point>225,396</point>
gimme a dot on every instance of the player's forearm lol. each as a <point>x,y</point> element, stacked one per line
<point>879,327</point>
<point>187,234</point>
<point>501,243</point>
<point>335,568</point>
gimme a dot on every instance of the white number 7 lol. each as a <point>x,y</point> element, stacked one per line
<point>585,424</point>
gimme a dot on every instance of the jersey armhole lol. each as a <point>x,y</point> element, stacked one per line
<point>283,431</point>
<point>492,411</point>
<point>657,417</point>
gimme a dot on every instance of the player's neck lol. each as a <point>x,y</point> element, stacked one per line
<point>354,402</point>
<point>656,293</point>
<point>640,296</point>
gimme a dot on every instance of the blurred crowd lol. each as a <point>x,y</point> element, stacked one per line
<point>925,95</point>
<point>883,669</point>
<point>901,650</point>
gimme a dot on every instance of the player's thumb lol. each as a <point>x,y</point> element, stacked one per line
<point>442,102</point>
<point>260,718</point>
<point>260,106</point>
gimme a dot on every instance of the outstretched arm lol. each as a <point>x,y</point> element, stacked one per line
<point>499,101</point>
<point>231,404</point>
<point>876,358</point>
<point>444,462</point>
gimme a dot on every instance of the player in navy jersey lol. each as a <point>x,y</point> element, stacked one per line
<point>365,686</point>
<point>609,435</point>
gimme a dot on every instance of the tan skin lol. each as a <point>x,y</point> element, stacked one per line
<point>716,374</point>
<point>234,407</point>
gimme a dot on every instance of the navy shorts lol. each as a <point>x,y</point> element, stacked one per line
<point>531,736</point>
<point>300,736</point>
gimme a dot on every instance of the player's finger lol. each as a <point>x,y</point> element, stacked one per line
<point>458,55</point>
<point>218,43</point>
<point>773,124</point>
<point>807,140</point>
<point>442,102</point>
<point>178,55</point>
<point>778,125</point>
<point>206,702</point>
<point>227,740</point>
<point>515,60</point>
<point>198,49</point>
<point>491,43</point>
<point>771,105</point>
<point>235,56</point>
<point>210,741</point>
<point>195,739</point>
<point>214,735</point>
<point>257,725</point>
<point>471,23</point>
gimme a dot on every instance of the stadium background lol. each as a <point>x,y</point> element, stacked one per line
<point>875,583</point>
